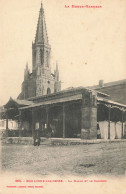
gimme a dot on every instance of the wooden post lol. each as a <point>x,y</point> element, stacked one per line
<point>122,125</point>
<point>109,121</point>
<point>124,120</point>
<point>7,123</point>
<point>33,122</point>
<point>64,129</point>
<point>20,123</point>
<point>47,118</point>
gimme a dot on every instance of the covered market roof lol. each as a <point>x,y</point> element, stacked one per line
<point>17,102</point>
<point>67,92</point>
<point>111,102</point>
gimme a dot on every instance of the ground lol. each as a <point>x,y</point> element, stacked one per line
<point>74,160</point>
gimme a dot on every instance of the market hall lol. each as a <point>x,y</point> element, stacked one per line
<point>70,113</point>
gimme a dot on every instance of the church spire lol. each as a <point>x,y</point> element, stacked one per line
<point>41,5</point>
<point>26,72</point>
<point>57,72</point>
<point>41,32</point>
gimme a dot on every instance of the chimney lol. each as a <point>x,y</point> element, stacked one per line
<point>101,83</point>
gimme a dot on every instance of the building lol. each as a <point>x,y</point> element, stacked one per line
<point>116,90</point>
<point>70,113</point>
<point>12,124</point>
<point>41,81</point>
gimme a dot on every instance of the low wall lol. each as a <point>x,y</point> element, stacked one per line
<point>20,140</point>
<point>57,141</point>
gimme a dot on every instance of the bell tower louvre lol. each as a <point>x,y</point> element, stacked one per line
<point>41,81</point>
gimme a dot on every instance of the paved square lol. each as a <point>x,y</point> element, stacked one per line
<point>74,160</point>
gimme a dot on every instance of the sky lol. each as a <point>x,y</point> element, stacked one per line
<point>89,44</point>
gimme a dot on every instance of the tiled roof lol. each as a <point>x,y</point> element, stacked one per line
<point>100,99</point>
<point>67,90</point>
<point>23,102</point>
<point>109,84</point>
<point>18,102</point>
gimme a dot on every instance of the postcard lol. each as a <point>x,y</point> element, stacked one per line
<point>62,102</point>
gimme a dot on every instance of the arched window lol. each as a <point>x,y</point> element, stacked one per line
<point>48,91</point>
<point>41,56</point>
<point>47,58</point>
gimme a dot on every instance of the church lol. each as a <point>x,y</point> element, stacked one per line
<point>41,81</point>
<point>70,113</point>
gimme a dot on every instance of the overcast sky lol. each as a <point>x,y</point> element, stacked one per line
<point>89,44</point>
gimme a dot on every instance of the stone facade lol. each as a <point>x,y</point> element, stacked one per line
<point>89,116</point>
<point>41,81</point>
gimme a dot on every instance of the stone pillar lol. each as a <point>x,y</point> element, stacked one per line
<point>64,129</point>
<point>89,116</point>
<point>109,116</point>
<point>7,123</point>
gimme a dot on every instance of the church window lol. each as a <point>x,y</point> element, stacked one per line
<point>41,56</point>
<point>47,58</point>
<point>48,91</point>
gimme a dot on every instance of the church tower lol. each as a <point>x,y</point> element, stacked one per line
<point>41,81</point>
<point>41,68</point>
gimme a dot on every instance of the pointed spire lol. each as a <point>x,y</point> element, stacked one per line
<point>26,71</point>
<point>27,65</point>
<point>57,72</point>
<point>56,66</point>
<point>10,98</point>
<point>41,32</point>
<point>41,5</point>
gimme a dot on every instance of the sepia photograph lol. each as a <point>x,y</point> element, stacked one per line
<point>63,96</point>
